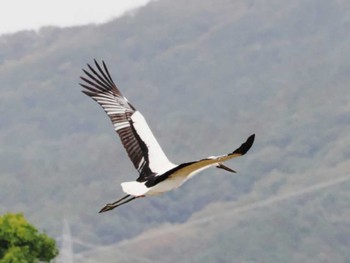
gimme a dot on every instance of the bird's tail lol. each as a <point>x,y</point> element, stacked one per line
<point>134,188</point>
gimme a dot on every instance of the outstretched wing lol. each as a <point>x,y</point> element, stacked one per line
<point>190,169</point>
<point>137,138</point>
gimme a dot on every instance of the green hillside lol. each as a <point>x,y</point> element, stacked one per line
<point>308,226</point>
<point>205,74</point>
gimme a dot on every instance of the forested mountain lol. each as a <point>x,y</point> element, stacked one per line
<point>205,74</point>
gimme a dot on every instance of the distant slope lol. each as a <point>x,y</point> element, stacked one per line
<point>243,230</point>
<point>205,74</point>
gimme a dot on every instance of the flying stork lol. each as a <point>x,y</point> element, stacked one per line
<point>156,173</point>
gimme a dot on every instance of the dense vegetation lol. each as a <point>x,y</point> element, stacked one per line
<point>205,74</point>
<point>20,242</point>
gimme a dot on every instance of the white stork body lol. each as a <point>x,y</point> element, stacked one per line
<point>156,173</point>
<point>178,178</point>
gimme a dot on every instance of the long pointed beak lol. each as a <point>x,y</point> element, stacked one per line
<point>221,166</point>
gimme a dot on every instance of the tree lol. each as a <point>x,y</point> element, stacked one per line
<point>20,242</point>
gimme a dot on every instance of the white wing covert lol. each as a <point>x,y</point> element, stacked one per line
<point>136,136</point>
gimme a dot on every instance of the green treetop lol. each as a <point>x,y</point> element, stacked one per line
<point>20,242</point>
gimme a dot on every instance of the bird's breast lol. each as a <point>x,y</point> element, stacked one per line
<point>167,185</point>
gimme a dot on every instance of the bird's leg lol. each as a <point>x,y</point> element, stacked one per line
<point>117,203</point>
<point>110,206</point>
<point>121,199</point>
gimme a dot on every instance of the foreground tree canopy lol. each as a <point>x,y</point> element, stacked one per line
<point>20,242</point>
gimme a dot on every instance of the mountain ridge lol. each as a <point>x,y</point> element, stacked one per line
<point>205,75</point>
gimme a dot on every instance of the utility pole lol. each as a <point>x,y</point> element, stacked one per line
<point>66,253</point>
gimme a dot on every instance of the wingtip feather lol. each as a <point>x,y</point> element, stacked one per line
<point>244,148</point>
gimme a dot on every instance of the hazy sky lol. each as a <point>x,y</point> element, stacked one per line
<point>17,15</point>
